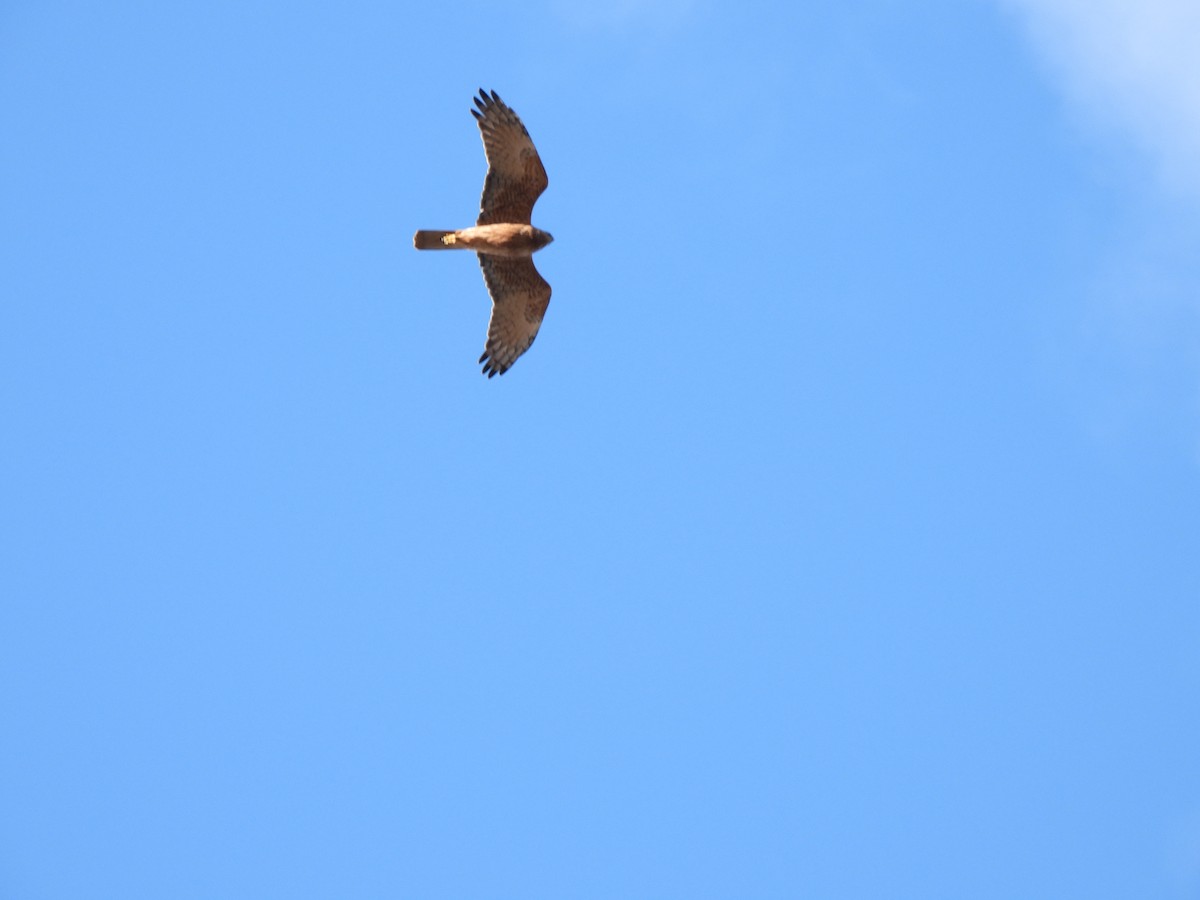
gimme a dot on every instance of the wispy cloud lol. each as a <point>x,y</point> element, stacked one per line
<point>615,14</point>
<point>1184,857</point>
<point>1134,64</point>
<point>1132,67</point>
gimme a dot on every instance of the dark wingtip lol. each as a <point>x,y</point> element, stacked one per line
<point>491,368</point>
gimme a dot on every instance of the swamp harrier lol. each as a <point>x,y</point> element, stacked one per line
<point>503,236</point>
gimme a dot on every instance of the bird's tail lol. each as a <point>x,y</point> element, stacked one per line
<point>434,240</point>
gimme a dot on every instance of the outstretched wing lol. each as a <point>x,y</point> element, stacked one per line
<point>515,177</point>
<point>519,300</point>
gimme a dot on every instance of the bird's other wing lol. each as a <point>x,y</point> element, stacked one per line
<point>515,176</point>
<point>519,300</point>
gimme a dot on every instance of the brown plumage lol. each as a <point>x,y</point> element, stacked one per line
<point>503,236</point>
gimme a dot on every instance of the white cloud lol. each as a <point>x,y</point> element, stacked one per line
<point>1136,65</point>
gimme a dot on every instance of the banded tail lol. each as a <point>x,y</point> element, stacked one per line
<point>434,240</point>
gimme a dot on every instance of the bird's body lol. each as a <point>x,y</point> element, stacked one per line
<point>502,236</point>
<point>507,239</point>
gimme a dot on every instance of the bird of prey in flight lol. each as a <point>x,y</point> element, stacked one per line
<point>503,236</point>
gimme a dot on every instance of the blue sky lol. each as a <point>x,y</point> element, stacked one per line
<point>838,538</point>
